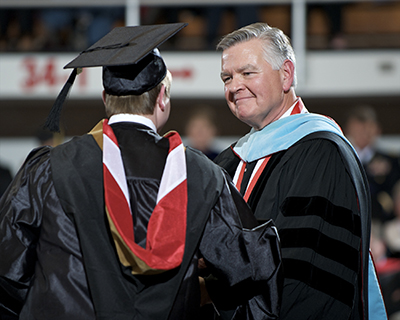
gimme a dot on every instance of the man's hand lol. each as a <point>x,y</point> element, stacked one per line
<point>204,297</point>
<point>201,264</point>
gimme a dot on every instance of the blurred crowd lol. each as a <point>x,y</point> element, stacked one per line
<point>56,29</point>
<point>76,28</point>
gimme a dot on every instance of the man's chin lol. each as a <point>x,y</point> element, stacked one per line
<point>244,119</point>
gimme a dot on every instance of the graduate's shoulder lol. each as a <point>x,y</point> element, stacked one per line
<point>37,155</point>
<point>197,158</point>
<point>228,160</point>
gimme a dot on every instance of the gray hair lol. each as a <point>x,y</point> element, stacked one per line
<point>277,47</point>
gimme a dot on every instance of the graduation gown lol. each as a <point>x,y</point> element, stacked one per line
<point>317,195</point>
<point>59,261</point>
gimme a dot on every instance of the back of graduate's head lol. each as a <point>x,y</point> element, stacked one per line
<point>142,104</point>
<point>134,73</point>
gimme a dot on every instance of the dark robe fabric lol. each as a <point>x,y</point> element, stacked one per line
<point>59,261</point>
<point>317,194</point>
<point>5,179</point>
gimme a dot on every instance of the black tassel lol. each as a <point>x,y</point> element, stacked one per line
<point>53,119</point>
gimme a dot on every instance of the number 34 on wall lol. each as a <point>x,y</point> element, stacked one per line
<point>46,72</point>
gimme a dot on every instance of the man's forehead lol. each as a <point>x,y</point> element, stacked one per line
<point>243,50</point>
<point>242,59</point>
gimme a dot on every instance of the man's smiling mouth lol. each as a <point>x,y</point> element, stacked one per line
<point>236,100</point>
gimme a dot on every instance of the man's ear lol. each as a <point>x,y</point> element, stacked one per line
<point>160,98</point>
<point>288,74</point>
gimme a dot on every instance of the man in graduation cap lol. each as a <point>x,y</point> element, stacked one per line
<point>117,224</point>
<point>298,169</point>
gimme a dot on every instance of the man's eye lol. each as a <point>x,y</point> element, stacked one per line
<point>226,79</point>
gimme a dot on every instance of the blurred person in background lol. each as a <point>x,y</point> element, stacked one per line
<point>201,131</point>
<point>20,30</point>
<point>334,14</point>
<point>243,15</point>
<point>362,128</point>
<point>77,28</point>
<point>298,169</point>
<point>389,272</point>
<point>56,28</point>
<point>391,228</point>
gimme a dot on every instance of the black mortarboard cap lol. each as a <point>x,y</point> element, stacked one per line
<point>131,63</point>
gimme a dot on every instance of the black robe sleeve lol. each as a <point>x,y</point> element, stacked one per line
<point>20,221</point>
<point>41,270</point>
<point>244,257</point>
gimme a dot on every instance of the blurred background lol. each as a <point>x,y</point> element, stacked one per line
<point>348,66</point>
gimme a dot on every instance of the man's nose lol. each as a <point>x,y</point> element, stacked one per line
<point>235,84</point>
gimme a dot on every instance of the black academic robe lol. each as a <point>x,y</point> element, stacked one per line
<point>315,191</point>
<point>5,179</point>
<point>59,261</point>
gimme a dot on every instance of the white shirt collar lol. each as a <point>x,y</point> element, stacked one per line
<point>128,117</point>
